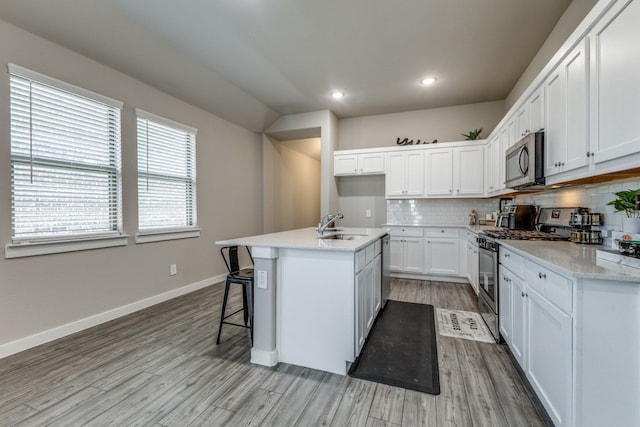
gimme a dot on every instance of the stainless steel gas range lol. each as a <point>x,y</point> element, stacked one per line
<point>550,224</point>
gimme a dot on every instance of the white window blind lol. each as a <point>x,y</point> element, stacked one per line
<point>166,174</point>
<point>65,160</point>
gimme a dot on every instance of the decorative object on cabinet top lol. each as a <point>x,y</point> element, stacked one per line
<point>407,141</point>
<point>473,134</point>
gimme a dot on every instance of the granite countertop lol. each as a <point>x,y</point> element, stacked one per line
<point>573,259</point>
<point>306,238</point>
<point>474,228</point>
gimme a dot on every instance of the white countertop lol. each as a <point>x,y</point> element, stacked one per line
<point>307,238</point>
<point>573,259</point>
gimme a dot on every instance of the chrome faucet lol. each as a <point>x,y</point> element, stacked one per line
<point>326,220</point>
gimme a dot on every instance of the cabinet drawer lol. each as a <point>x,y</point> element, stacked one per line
<point>405,231</point>
<point>377,247</point>
<point>369,253</point>
<point>361,259</point>
<point>554,287</point>
<point>441,232</point>
<point>512,261</point>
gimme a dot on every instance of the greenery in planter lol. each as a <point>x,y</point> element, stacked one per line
<point>626,202</point>
<point>473,134</point>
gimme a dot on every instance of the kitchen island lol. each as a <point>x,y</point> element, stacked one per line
<point>315,299</point>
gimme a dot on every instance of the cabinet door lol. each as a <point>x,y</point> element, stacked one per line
<point>377,292</point>
<point>549,356</point>
<point>345,164</point>
<point>413,255</point>
<point>369,289</point>
<point>395,177</point>
<point>371,163</point>
<point>441,257</point>
<point>504,304</point>
<point>360,300</point>
<point>575,109</point>
<point>536,110</point>
<point>553,133</point>
<point>615,83</point>
<point>414,174</point>
<point>469,176</point>
<point>439,172</point>
<point>522,121</point>
<point>397,254</point>
<point>489,165</point>
<point>518,319</point>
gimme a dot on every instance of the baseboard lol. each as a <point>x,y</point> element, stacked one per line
<point>264,358</point>
<point>88,322</point>
<point>452,279</point>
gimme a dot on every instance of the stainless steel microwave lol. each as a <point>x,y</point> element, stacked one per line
<point>525,162</point>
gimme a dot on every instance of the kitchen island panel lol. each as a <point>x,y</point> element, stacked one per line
<point>315,309</point>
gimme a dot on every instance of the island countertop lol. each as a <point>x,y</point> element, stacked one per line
<point>307,238</point>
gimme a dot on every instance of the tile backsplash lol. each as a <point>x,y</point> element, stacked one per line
<point>438,211</point>
<point>456,211</point>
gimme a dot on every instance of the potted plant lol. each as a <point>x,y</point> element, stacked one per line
<point>626,202</point>
<point>473,134</point>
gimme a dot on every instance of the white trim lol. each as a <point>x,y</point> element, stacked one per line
<point>25,249</point>
<point>160,235</point>
<point>162,120</point>
<point>264,358</point>
<point>88,322</point>
<point>59,84</point>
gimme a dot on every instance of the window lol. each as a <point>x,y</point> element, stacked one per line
<point>166,178</point>
<point>65,161</point>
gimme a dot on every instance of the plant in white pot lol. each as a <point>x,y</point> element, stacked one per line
<point>626,202</point>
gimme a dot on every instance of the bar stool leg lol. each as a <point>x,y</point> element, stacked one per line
<point>224,307</point>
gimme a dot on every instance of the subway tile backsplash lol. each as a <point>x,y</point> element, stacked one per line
<point>438,211</point>
<point>456,211</point>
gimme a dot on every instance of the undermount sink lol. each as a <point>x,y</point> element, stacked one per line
<point>341,236</point>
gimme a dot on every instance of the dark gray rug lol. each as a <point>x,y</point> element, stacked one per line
<point>401,349</point>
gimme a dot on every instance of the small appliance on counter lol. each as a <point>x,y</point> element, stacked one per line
<point>625,249</point>
<point>517,217</point>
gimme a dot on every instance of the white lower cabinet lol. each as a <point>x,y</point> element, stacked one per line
<point>407,249</point>
<point>442,251</point>
<point>473,261</point>
<point>367,292</point>
<point>538,330</point>
<point>549,356</point>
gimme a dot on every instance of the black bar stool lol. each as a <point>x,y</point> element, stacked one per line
<point>243,277</point>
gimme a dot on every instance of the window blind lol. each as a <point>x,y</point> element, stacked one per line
<point>166,174</point>
<point>65,160</point>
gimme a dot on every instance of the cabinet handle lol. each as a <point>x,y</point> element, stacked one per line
<point>442,231</point>
<point>523,294</point>
<point>507,255</point>
<point>588,154</point>
<point>458,190</point>
<point>561,163</point>
<point>542,275</point>
<point>450,190</point>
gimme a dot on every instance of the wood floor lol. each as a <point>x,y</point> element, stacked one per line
<point>161,367</point>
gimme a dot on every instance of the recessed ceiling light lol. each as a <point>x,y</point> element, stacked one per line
<point>337,95</point>
<point>428,81</point>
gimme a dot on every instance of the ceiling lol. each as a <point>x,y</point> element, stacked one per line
<point>250,61</point>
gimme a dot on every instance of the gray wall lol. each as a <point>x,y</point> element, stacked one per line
<point>567,23</point>
<point>43,292</point>
<point>444,124</point>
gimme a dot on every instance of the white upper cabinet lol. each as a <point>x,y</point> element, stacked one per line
<point>615,83</point>
<point>455,172</point>
<point>405,174</point>
<point>530,116</point>
<point>566,114</point>
<point>358,164</point>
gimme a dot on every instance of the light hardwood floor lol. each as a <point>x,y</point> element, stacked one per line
<point>161,367</point>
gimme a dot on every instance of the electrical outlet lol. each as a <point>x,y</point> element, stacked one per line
<point>367,213</point>
<point>262,279</point>
<point>173,269</point>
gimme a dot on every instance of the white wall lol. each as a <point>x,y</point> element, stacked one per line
<point>40,293</point>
